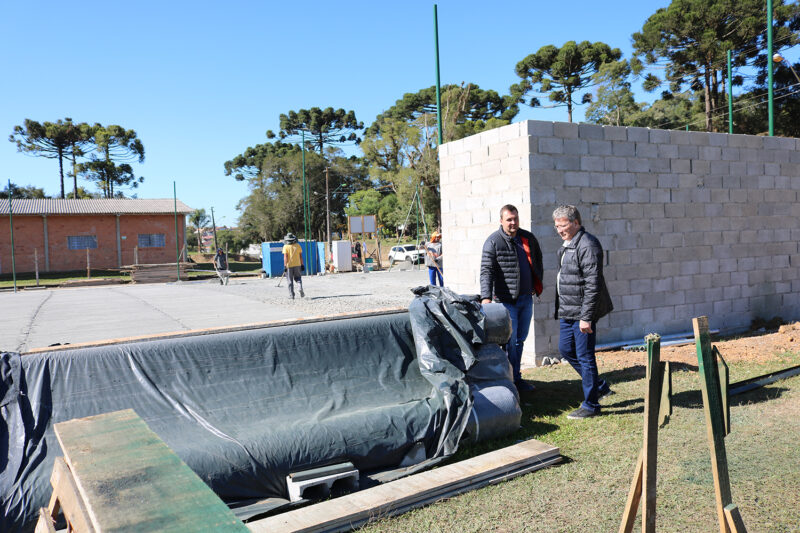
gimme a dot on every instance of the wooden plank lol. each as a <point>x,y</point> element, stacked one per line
<point>45,523</point>
<point>397,496</point>
<point>131,480</point>
<point>712,406</point>
<point>634,496</point>
<point>67,497</point>
<point>652,403</point>
<point>735,521</point>
<point>665,410</point>
<point>223,329</point>
<point>724,387</point>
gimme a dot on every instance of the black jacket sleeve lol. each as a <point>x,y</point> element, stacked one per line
<point>488,267</point>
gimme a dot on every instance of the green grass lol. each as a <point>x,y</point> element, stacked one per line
<point>587,492</point>
<point>28,279</point>
<point>51,279</point>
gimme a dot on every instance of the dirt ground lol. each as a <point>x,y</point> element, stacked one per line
<point>761,345</point>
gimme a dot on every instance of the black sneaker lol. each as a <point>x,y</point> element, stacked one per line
<point>605,394</point>
<point>524,386</point>
<point>302,294</point>
<point>580,413</point>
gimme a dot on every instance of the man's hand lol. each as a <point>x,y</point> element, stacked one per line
<point>586,327</point>
<point>486,301</point>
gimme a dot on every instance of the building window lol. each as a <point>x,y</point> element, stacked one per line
<point>152,240</point>
<point>82,242</point>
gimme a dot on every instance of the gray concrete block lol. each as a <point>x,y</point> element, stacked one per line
<point>667,151</point>
<point>599,147</point>
<point>615,133</point>
<point>568,162</point>
<point>624,179</point>
<point>680,137</point>
<point>637,195</point>
<point>623,149</point>
<point>688,152</point>
<point>616,164</point>
<point>638,164</point>
<point>718,139</point>
<point>541,162</point>
<point>565,130</point>
<point>551,145</point>
<point>730,154</point>
<point>590,131</point>
<point>659,136</point>
<point>537,128</point>
<point>576,179</point>
<point>646,149</point>
<point>592,163</point>
<point>680,166</point>
<point>601,179</point>
<point>616,195</point>
<point>659,165</point>
<point>638,134</point>
<point>576,147</point>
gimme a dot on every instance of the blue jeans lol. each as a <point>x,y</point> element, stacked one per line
<point>578,349</point>
<point>521,313</point>
<point>433,274</point>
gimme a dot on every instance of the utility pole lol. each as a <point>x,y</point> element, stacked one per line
<point>328,209</point>
<point>769,70</point>
<point>214,224</point>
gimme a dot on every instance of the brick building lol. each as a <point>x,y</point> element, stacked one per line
<point>59,233</point>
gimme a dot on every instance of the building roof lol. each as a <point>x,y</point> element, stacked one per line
<point>92,206</point>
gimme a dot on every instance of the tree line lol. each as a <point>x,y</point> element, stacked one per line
<point>97,153</point>
<point>680,53</point>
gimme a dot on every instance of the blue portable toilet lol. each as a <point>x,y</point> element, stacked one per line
<point>272,257</point>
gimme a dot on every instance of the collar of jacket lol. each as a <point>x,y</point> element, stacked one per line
<point>506,236</point>
<point>574,242</point>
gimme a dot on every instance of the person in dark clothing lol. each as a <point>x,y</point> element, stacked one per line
<point>221,266</point>
<point>582,299</point>
<point>511,273</point>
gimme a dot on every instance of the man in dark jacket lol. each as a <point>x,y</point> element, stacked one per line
<point>511,272</point>
<point>581,300</point>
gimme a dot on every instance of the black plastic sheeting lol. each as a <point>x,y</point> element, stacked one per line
<point>244,409</point>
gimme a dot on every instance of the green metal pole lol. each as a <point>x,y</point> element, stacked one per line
<point>11,225</point>
<point>305,207</point>
<point>177,249</point>
<point>438,86</point>
<point>769,69</point>
<point>730,95</point>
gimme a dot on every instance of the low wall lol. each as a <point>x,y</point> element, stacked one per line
<point>692,223</point>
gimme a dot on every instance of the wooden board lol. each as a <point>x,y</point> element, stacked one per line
<point>130,480</point>
<point>347,512</point>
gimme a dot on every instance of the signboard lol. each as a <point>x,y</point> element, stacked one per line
<point>361,224</point>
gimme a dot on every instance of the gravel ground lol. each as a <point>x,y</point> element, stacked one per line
<point>38,318</point>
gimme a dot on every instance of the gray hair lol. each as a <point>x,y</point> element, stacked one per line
<point>570,212</point>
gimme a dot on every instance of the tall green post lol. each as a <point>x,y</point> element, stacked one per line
<point>438,86</point>
<point>770,98</point>
<point>730,95</point>
<point>177,248</point>
<point>11,225</point>
<point>305,203</point>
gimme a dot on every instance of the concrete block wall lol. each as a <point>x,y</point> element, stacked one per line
<point>692,223</point>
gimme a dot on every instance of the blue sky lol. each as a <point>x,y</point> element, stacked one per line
<point>201,81</point>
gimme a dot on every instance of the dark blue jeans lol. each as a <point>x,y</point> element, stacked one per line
<point>578,349</point>
<point>521,313</point>
<point>433,274</point>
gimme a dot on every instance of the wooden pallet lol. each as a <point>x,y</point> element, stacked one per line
<point>116,474</point>
<point>158,273</point>
<point>352,510</point>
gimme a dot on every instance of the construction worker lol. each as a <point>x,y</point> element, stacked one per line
<point>221,266</point>
<point>293,263</point>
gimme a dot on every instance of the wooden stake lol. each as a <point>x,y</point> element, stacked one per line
<point>724,385</point>
<point>735,521</point>
<point>665,410</point>
<point>88,265</point>
<point>634,496</point>
<point>715,420</point>
<point>652,401</point>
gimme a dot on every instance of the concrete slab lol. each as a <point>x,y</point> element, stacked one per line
<point>36,319</point>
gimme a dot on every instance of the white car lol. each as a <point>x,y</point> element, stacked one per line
<point>406,252</point>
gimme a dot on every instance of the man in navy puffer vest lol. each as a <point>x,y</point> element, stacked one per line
<point>511,273</point>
